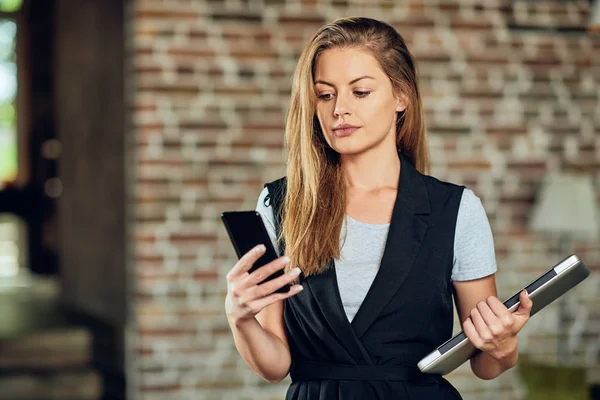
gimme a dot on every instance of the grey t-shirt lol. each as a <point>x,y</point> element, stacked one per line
<point>362,247</point>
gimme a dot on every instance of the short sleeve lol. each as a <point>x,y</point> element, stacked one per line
<point>474,255</point>
<point>263,206</point>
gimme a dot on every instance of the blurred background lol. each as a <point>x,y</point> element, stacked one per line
<point>127,127</point>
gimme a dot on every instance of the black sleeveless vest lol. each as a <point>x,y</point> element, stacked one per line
<point>406,314</point>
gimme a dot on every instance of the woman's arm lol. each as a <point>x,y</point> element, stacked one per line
<point>489,325</point>
<point>262,342</point>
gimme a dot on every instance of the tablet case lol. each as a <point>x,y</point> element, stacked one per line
<point>543,291</point>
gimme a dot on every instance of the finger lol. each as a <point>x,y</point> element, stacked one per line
<point>525,306</point>
<point>274,284</point>
<point>245,263</point>
<point>472,335</point>
<point>490,318</point>
<point>257,291</point>
<point>263,302</point>
<point>498,308</point>
<point>480,325</point>
<point>262,273</point>
<point>493,322</point>
<point>505,316</point>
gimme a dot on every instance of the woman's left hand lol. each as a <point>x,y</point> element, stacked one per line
<point>493,329</point>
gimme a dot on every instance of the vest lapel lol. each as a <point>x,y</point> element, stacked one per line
<point>407,230</point>
<point>406,233</point>
<point>324,288</point>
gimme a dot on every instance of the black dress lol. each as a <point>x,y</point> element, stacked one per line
<point>406,314</point>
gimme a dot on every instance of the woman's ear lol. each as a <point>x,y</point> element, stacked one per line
<point>401,102</point>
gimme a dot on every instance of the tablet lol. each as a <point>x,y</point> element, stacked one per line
<point>543,291</point>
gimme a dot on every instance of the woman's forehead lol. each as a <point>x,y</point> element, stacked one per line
<point>344,65</point>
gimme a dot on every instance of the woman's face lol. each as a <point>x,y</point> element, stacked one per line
<point>352,89</point>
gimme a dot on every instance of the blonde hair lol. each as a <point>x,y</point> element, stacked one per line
<point>314,206</point>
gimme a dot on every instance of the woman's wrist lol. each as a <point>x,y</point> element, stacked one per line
<point>488,366</point>
<point>509,360</point>
<point>241,323</point>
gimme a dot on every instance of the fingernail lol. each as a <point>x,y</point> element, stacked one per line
<point>295,271</point>
<point>260,247</point>
<point>286,260</point>
<point>300,288</point>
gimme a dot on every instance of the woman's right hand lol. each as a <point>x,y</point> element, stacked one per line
<point>245,297</point>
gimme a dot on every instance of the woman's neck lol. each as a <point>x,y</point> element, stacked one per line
<point>371,170</point>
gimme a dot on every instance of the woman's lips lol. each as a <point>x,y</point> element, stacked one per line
<point>345,131</point>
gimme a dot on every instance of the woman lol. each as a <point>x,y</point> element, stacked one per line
<point>377,247</point>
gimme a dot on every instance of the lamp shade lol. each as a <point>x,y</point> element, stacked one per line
<point>566,205</point>
<point>595,16</point>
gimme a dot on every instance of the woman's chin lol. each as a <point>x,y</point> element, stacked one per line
<point>349,149</point>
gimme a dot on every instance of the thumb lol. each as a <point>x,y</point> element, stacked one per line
<point>525,307</point>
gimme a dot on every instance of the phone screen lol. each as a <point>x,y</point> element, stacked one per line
<point>246,231</point>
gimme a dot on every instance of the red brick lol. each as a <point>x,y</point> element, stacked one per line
<point>412,22</point>
<point>471,25</point>
<point>162,14</point>
<point>507,130</point>
<point>470,164</point>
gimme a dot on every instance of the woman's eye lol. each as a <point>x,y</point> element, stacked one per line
<point>357,93</point>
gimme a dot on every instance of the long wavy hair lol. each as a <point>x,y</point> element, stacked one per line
<point>315,202</point>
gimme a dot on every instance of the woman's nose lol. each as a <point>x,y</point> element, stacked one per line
<point>340,108</point>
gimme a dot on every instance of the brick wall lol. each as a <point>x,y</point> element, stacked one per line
<point>510,91</point>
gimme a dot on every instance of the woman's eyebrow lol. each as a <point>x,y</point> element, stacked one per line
<point>349,83</point>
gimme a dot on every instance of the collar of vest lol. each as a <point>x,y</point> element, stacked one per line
<point>408,227</point>
<point>412,191</point>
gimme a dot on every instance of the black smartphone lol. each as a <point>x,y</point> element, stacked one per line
<point>246,231</point>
